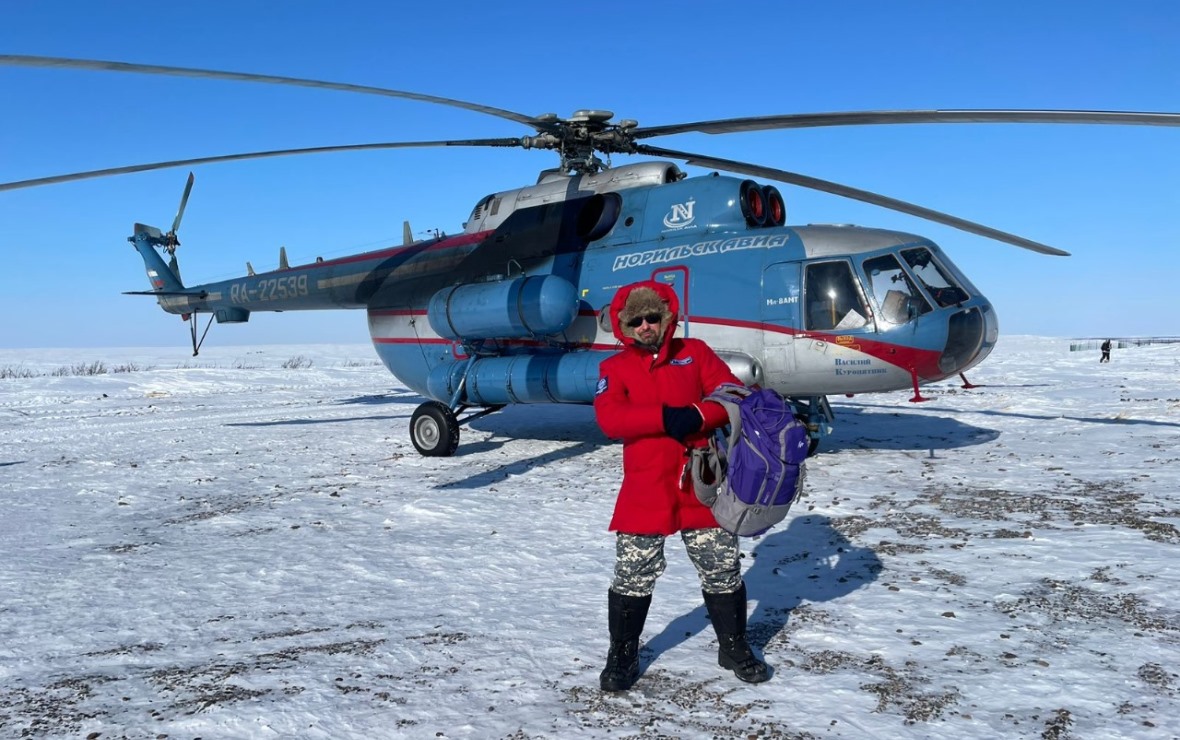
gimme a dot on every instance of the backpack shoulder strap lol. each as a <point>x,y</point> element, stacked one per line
<point>708,472</point>
<point>707,464</point>
<point>730,396</point>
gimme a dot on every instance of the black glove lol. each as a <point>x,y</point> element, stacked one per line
<point>681,421</point>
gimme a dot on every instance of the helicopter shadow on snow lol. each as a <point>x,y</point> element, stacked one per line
<point>808,562</point>
<point>854,428</point>
<point>861,427</point>
<point>842,411</point>
<point>368,400</point>
<point>380,399</point>
<point>485,478</point>
<point>574,425</point>
<point>305,422</point>
<point>549,422</point>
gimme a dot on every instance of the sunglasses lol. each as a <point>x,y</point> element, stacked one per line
<point>651,318</point>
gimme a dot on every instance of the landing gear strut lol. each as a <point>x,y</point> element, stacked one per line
<point>817,414</point>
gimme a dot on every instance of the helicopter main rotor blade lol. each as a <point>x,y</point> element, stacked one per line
<point>865,196</point>
<point>25,60</point>
<point>863,118</point>
<point>246,155</point>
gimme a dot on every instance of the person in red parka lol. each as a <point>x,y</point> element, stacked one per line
<point>650,395</point>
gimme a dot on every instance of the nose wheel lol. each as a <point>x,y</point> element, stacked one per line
<point>434,430</point>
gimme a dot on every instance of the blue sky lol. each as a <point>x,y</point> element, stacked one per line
<point>1108,194</point>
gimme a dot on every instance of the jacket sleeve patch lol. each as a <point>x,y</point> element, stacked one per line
<point>602,385</point>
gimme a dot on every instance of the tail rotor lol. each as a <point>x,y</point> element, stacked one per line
<point>171,242</point>
<point>164,276</point>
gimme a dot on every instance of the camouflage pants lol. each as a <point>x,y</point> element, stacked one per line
<point>639,561</point>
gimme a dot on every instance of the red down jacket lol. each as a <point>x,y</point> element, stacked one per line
<point>633,388</point>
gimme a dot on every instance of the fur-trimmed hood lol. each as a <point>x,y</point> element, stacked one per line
<point>641,298</point>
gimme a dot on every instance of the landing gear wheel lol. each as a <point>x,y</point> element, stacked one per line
<point>812,446</point>
<point>434,430</point>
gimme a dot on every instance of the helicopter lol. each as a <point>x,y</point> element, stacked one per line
<point>514,308</point>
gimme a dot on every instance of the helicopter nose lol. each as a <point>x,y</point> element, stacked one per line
<point>970,338</point>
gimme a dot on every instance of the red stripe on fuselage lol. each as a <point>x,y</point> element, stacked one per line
<point>505,343</point>
<point>923,361</point>
<point>911,359</point>
<point>410,340</point>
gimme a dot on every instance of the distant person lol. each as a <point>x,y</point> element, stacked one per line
<point>1105,351</point>
<point>650,395</point>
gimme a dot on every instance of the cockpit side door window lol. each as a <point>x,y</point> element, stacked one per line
<point>833,298</point>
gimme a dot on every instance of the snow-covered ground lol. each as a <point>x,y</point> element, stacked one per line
<point>225,547</point>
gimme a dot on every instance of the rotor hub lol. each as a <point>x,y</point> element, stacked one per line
<point>581,137</point>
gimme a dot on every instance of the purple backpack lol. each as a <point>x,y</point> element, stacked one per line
<point>750,483</point>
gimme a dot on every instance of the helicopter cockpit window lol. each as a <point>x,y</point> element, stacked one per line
<point>833,301</point>
<point>941,286</point>
<point>893,290</point>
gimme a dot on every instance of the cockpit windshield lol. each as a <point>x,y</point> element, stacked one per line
<point>941,286</point>
<point>897,298</point>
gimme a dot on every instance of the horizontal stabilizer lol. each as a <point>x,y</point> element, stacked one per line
<point>151,231</point>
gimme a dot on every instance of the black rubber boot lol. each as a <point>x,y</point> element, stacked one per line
<point>727,612</point>
<point>625,615</point>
